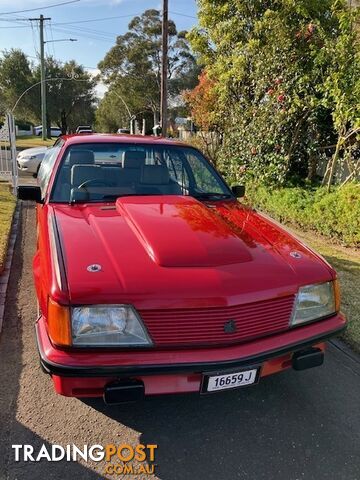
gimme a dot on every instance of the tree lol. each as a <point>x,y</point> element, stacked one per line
<point>133,66</point>
<point>342,91</point>
<point>70,95</point>
<point>15,78</point>
<point>202,101</point>
<point>268,64</point>
<point>111,114</point>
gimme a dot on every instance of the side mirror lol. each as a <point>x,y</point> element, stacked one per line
<point>238,191</point>
<point>29,192</point>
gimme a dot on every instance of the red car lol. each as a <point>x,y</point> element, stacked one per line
<point>152,278</point>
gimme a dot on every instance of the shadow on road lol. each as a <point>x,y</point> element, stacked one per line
<point>290,426</point>
<point>12,339</point>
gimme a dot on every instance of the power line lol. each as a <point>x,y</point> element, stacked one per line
<point>40,8</point>
<point>12,28</point>
<point>34,39</point>
<point>85,35</point>
<point>182,15</point>
<point>52,38</point>
<point>63,63</point>
<point>99,19</point>
<point>96,19</point>
<point>96,32</point>
<point>12,19</point>
<point>47,46</point>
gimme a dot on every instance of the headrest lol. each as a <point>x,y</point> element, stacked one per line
<point>81,157</point>
<point>82,173</point>
<point>133,159</point>
<point>154,175</point>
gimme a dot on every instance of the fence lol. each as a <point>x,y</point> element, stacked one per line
<point>8,165</point>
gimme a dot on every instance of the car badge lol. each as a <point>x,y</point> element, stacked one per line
<point>94,268</point>
<point>295,254</point>
<point>230,327</point>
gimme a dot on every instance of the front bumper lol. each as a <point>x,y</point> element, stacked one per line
<point>22,166</point>
<point>28,165</point>
<point>86,373</point>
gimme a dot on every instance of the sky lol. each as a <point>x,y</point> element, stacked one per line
<point>94,38</point>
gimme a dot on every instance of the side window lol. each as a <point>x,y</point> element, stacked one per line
<point>46,167</point>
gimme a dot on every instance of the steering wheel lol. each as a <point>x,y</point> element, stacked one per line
<point>96,183</point>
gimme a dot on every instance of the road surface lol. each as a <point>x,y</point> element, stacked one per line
<point>296,425</point>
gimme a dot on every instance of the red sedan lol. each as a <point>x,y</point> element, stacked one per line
<point>152,278</point>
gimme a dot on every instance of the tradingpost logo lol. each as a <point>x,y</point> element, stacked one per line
<point>122,459</point>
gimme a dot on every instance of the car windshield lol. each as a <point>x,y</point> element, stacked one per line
<point>101,172</point>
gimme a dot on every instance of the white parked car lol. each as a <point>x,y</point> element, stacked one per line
<point>29,160</point>
<point>54,131</point>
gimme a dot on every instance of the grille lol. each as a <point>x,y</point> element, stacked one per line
<point>205,326</point>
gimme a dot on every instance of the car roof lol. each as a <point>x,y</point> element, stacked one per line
<point>76,139</point>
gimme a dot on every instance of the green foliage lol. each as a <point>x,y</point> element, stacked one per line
<point>280,72</point>
<point>132,70</point>
<point>15,78</point>
<point>70,96</point>
<point>342,84</point>
<point>335,214</point>
<point>23,125</point>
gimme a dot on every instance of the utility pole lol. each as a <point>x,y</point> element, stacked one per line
<point>164,67</point>
<point>41,20</point>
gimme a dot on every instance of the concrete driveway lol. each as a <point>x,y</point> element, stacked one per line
<point>26,178</point>
<point>297,425</point>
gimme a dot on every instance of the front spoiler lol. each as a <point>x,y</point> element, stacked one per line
<point>321,331</point>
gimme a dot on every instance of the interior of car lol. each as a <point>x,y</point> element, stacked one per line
<point>101,173</point>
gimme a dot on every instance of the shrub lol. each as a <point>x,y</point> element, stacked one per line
<point>335,214</point>
<point>24,125</point>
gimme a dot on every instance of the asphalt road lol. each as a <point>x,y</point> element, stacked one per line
<point>296,425</point>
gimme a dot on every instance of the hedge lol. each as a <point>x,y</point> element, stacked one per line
<point>335,214</point>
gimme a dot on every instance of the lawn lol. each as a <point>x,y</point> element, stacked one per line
<point>346,261</point>
<point>33,141</point>
<point>7,206</point>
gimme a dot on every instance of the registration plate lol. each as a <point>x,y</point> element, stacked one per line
<point>221,381</point>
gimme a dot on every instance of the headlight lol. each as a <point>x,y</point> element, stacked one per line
<point>108,325</point>
<point>315,301</point>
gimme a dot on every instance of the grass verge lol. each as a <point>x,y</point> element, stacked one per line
<point>335,214</point>
<point>347,264</point>
<point>33,141</point>
<point>7,206</point>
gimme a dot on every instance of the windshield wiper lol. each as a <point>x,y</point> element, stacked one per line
<point>114,197</point>
<point>109,198</point>
<point>211,196</point>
